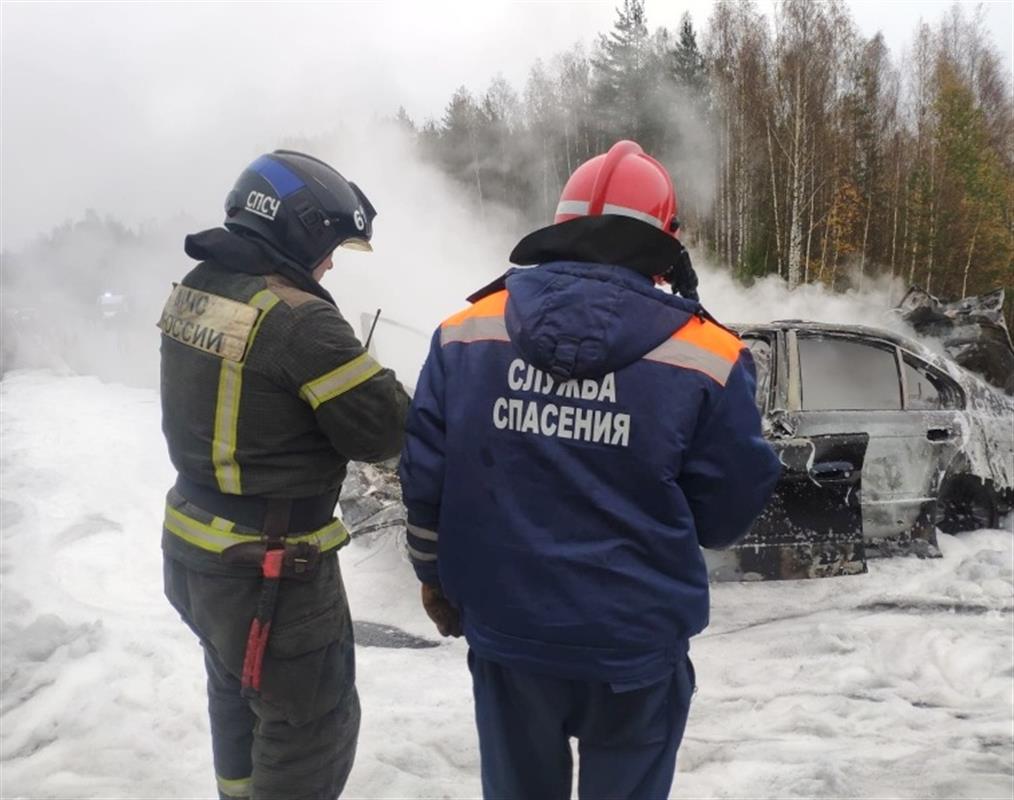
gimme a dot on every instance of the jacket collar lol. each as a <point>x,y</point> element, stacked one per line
<point>251,256</point>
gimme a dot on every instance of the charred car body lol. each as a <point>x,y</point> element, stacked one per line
<point>881,440</point>
<point>971,330</point>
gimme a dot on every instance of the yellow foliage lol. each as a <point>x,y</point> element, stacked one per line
<point>845,218</point>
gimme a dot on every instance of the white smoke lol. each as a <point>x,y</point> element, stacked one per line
<point>769,299</point>
<point>433,244</point>
<point>433,247</point>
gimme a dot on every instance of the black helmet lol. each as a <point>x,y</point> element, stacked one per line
<point>300,206</point>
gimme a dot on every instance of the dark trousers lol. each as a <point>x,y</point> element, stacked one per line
<point>627,741</point>
<point>297,740</point>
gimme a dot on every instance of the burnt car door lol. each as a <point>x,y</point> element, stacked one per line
<point>936,404</point>
<point>971,440</point>
<point>812,526</point>
<point>845,382</point>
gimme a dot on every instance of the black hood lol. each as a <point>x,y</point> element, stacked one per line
<point>606,239</point>
<point>252,256</point>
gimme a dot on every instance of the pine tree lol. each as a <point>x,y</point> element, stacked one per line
<point>404,121</point>
<point>459,141</point>
<point>624,74</point>
<point>688,65</point>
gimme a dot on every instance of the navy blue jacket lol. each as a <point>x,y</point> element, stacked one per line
<point>572,443</point>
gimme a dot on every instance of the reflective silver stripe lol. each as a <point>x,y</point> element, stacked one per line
<point>475,329</point>
<point>422,533</point>
<point>338,381</point>
<point>572,207</point>
<point>580,207</point>
<point>418,556</point>
<point>684,354</point>
<point>623,211</point>
<point>234,787</point>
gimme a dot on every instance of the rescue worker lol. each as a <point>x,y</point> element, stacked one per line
<point>266,396</point>
<point>575,436</point>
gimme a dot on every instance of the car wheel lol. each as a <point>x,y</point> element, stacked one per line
<point>967,504</point>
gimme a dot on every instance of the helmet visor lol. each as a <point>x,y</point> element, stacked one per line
<point>357,244</point>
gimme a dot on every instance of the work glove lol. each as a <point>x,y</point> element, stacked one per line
<point>682,277</point>
<point>438,608</point>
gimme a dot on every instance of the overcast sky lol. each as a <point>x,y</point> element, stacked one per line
<point>147,109</point>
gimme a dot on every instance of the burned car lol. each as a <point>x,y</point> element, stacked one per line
<point>881,440</point>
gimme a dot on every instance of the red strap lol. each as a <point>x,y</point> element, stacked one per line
<point>257,639</point>
<point>253,659</point>
<point>272,564</point>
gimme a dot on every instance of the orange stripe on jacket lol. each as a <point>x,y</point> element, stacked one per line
<point>492,305</point>
<point>711,337</point>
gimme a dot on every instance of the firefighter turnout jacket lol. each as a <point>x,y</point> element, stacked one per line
<point>266,390</point>
<point>574,439</point>
<point>266,396</point>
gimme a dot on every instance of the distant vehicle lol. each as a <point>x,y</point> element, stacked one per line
<point>112,306</point>
<point>872,428</point>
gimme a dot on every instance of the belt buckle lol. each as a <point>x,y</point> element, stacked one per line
<point>301,561</point>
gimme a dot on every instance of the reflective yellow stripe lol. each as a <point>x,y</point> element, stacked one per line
<point>230,387</point>
<point>234,787</point>
<point>338,381</point>
<point>222,524</point>
<point>215,540</point>
<point>265,300</point>
<point>223,446</point>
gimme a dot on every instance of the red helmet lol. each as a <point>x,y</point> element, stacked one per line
<point>624,181</point>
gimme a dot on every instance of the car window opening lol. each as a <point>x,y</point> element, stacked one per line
<point>839,374</point>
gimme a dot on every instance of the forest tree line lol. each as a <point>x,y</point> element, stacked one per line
<point>797,145</point>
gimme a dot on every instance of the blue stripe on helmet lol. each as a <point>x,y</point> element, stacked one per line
<point>283,179</point>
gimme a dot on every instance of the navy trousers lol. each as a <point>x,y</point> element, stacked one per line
<point>627,740</point>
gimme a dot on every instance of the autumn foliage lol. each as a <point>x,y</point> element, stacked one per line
<point>798,146</point>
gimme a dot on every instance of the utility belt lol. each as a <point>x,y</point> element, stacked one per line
<point>305,513</point>
<point>269,546</point>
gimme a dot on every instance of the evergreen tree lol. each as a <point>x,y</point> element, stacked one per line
<point>459,141</point>
<point>974,243</point>
<point>688,65</point>
<point>404,121</point>
<point>624,74</point>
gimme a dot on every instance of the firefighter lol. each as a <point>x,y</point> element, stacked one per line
<point>575,436</point>
<point>266,396</point>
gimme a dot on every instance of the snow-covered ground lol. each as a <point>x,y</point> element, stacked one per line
<point>899,683</point>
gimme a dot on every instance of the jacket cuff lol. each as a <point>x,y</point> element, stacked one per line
<point>427,572</point>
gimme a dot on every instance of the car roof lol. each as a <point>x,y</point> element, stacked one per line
<point>939,360</point>
<point>833,327</point>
